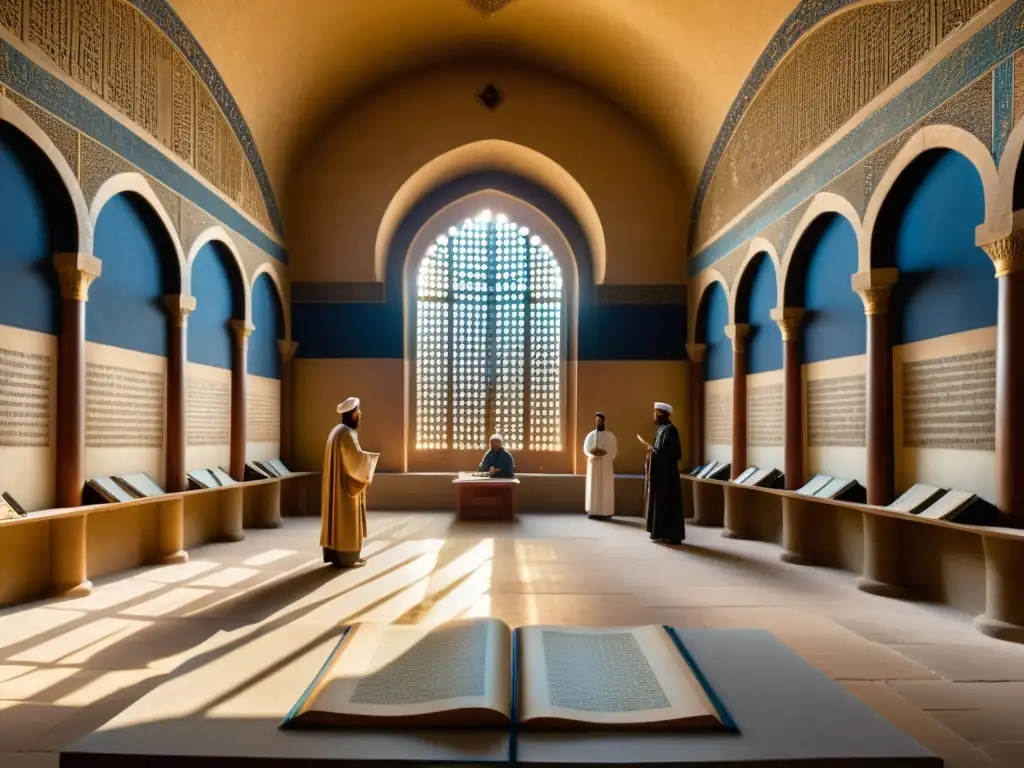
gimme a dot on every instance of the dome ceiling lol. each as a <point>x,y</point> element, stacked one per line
<point>676,65</point>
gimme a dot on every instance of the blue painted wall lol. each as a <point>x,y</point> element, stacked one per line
<point>140,267</point>
<point>264,353</point>
<point>217,288</point>
<point>606,332</point>
<point>926,230</point>
<point>758,295</point>
<point>712,317</point>
<point>819,281</point>
<point>36,220</point>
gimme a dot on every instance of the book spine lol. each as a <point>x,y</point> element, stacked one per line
<point>514,709</point>
<point>294,711</point>
<point>723,713</point>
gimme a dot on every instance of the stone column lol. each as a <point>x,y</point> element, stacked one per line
<point>1008,258</point>
<point>76,272</point>
<point>738,334</point>
<point>180,307</point>
<point>875,290</point>
<point>696,354</point>
<point>287,405</point>
<point>788,320</point>
<point>239,394</point>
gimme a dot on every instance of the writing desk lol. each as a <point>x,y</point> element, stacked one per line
<point>485,498</point>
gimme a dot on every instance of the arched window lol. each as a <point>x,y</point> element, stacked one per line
<point>489,339</point>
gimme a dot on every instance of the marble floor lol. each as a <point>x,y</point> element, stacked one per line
<point>66,667</point>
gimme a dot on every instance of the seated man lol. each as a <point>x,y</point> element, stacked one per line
<point>498,462</point>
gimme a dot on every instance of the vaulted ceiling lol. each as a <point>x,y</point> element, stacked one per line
<point>676,65</point>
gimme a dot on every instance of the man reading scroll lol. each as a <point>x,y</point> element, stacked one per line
<point>348,469</point>
<point>600,448</point>
<point>663,493</point>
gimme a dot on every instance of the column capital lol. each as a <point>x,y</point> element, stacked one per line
<point>696,352</point>
<point>287,348</point>
<point>180,306</point>
<point>76,272</point>
<point>788,319</point>
<point>242,328</point>
<point>875,288</point>
<point>1007,254</point>
<point>737,332</point>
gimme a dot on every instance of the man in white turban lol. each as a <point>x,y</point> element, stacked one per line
<point>498,462</point>
<point>663,492</point>
<point>348,469</point>
<point>600,448</point>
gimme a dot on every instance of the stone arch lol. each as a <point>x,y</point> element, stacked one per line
<point>266,268</point>
<point>135,183</point>
<point>702,283</point>
<point>928,138</point>
<point>500,156</point>
<point>10,113</point>
<point>822,204</point>
<point>218,234</point>
<point>1010,168</point>
<point>757,246</point>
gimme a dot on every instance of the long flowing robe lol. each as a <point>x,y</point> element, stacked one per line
<point>348,470</point>
<point>600,499</point>
<point>663,492</point>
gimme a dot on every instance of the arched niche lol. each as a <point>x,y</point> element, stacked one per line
<point>926,229</point>
<point>709,329</point>
<point>818,281</point>
<point>140,267</point>
<point>756,296</point>
<point>37,220</point>
<point>268,317</point>
<point>219,291</point>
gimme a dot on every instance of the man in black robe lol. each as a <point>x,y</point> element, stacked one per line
<point>663,493</point>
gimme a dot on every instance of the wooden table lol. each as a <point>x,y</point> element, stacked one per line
<point>485,498</point>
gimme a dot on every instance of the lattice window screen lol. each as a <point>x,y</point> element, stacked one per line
<point>489,328</point>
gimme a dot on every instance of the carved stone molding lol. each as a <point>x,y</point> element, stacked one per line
<point>875,289</point>
<point>76,272</point>
<point>788,319</point>
<point>1007,255</point>
<point>696,352</point>
<point>737,333</point>
<point>180,306</point>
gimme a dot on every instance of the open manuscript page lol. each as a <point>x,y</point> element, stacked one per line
<point>625,677</point>
<point>457,674</point>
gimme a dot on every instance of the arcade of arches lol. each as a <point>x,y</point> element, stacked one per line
<point>801,223</point>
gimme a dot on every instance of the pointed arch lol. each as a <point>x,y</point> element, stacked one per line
<point>757,246</point>
<point>218,234</point>
<point>822,204</point>
<point>702,282</point>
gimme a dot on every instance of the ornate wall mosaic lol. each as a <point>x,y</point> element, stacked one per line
<point>813,88</point>
<point>126,57</point>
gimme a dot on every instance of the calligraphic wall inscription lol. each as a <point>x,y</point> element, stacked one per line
<point>119,55</point>
<point>124,408</point>
<point>25,380</point>
<point>950,402</point>
<point>825,79</point>
<point>717,418</point>
<point>765,410</point>
<point>837,412</point>
<point>264,419</point>
<point>208,412</point>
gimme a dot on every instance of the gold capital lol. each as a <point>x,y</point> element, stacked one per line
<point>180,306</point>
<point>76,272</point>
<point>1007,255</point>
<point>696,352</point>
<point>788,319</point>
<point>737,332</point>
<point>243,331</point>
<point>875,289</point>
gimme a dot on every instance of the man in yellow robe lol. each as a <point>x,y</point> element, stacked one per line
<point>348,469</point>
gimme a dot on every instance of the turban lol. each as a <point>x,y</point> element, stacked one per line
<point>598,415</point>
<point>663,407</point>
<point>349,405</point>
<point>498,437</point>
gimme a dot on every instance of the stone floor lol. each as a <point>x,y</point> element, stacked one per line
<point>67,667</point>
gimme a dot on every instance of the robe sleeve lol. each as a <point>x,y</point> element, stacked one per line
<point>359,465</point>
<point>610,445</point>
<point>588,445</point>
<point>484,464</point>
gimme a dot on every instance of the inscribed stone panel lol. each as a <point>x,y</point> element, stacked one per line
<point>208,412</point>
<point>1018,86</point>
<point>717,418</point>
<point>950,14</point>
<point>155,79</point>
<point>837,411</point>
<point>121,61</point>
<point>910,33</point>
<point>98,165</point>
<point>229,160</point>
<point>206,133</point>
<point>183,108</point>
<point>87,44</point>
<point>124,408</point>
<point>950,402</point>
<point>24,399</point>
<point>765,415</point>
<point>10,16</point>
<point>970,109</point>
<point>264,422</point>
<point>63,136</point>
<point>48,27</point>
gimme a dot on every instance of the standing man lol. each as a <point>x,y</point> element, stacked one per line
<point>600,448</point>
<point>348,469</point>
<point>663,493</point>
<point>498,462</point>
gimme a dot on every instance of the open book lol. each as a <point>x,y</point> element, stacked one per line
<point>482,673</point>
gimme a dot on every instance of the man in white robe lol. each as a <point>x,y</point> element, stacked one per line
<point>600,449</point>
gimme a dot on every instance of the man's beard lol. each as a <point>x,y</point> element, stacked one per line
<point>600,427</point>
